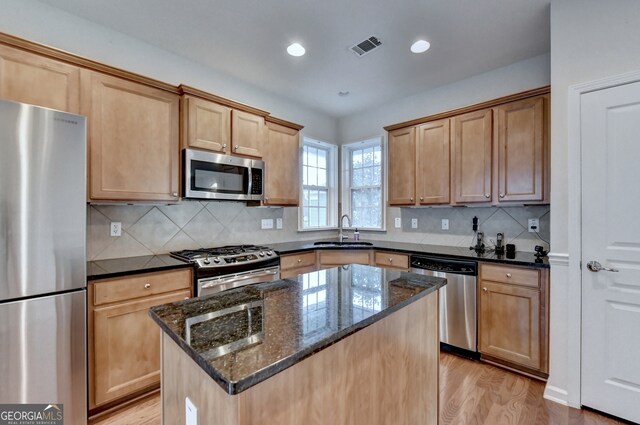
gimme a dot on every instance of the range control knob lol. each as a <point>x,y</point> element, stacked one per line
<point>206,261</point>
<point>261,253</point>
<point>216,260</point>
<point>269,252</point>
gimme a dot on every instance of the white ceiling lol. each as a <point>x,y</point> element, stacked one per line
<point>248,39</point>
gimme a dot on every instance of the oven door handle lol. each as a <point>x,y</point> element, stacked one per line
<point>236,281</point>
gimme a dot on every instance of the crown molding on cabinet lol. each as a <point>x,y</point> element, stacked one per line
<point>183,89</point>
<point>472,108</point>
<point>283,123</point>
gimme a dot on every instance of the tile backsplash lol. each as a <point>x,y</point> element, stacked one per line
<point>149,229</point>
<point>512,221</point>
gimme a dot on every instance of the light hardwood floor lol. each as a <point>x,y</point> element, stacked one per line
<point>471,393</point>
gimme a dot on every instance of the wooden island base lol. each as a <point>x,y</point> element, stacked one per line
<point>386,373</point>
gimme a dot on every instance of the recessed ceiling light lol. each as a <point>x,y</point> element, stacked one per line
<point>343,93</point>
<point>296,49</point>
<point>420,46</point>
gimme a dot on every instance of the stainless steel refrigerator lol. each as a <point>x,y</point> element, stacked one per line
<point>42,258</point>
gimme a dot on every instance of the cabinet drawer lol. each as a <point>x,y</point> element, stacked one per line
<point>126,288</point>
<point>287,274</point>
<point>390,259</point>
<point>303,259</point>
<point>340,257</point>
<point>512,275</point>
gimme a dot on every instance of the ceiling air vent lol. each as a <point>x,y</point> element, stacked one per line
<point>366,46</point>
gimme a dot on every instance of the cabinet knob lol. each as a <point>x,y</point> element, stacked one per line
<point>147,285</point>
<point>502,195</point>
<point>509,275</point>
<point>186,298</point>
<point>421,198</point>
<point>266,198</point>
<point>484,289</point>
<point>174,194</point>
<point>299,260</point>
<point>391,260</point>
<point>236,147</point>
<point>224,146</point>
<point>411,199</point>
<point>486,195</point>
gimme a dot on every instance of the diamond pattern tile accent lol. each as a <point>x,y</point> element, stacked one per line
<point>154,230</point>
<point>203,229</point>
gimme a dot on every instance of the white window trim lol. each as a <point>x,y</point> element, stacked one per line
<point>332,180</point>
<point>346,178</point>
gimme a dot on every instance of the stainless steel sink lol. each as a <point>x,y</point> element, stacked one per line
<point>343,243</point>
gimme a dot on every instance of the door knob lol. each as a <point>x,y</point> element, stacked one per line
<point>594,266</point>
<point>485,289</point>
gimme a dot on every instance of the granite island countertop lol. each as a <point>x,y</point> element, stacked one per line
<point>246,335</point>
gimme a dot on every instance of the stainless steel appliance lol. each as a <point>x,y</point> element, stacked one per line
<point>209,175</point>
<point>227,267</point>
<point>42,258</point>
<point>458,325</point>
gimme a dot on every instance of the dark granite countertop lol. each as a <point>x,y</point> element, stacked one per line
<point>244,336</point>
<point>103,269</point>
<point>520,259</point>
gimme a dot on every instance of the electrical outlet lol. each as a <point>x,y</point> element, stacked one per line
<point>445,224</point>
<point>398,222</point>
<point>191,412</point>
<point>534,225</point>
<point>414,223</point>
<point>267,223</point>
<point>278,223</point>
<point>115,228</point>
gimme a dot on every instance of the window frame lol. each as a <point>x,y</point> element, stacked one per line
<point>346,174</point>
<point>332,185</point>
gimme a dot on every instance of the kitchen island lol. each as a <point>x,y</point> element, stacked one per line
<point>349,345</point>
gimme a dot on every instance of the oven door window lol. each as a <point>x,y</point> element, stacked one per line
<point>219,178</point>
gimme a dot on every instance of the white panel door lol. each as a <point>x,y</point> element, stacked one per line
<point>610,131</point>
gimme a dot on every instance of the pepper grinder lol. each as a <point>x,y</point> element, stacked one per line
<point>499,246</point>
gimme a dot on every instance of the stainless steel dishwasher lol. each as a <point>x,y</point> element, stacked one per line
<point>458,324</point>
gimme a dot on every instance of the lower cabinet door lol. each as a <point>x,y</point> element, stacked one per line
<point>127,347</point>
<point>509,323</point>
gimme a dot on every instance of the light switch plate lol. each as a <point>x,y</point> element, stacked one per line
<point>278,223</point>
<point>414,223</point>
<point>191,412</point>
<point>267,223</point>
<point>445,224</point>
<point>398,222</point>
<point>115,228</point>
<point>534,222</point>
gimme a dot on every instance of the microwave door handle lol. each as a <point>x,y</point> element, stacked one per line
<point>250,176</point>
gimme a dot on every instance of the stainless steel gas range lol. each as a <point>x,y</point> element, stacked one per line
<point>227,267</point>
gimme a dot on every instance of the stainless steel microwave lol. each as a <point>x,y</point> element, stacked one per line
<point>209,175</point>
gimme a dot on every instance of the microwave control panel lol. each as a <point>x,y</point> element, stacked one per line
<point>256,181</point>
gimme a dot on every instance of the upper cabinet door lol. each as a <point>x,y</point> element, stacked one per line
<point>402,166</point>
<point>521,150</point>
<point>207,125</point>
<point>248,134</point>
<point>471,151</point>
<point>29,78</point>
<point>133,140</point>
<point>282,159</point>
<point>433,163</point>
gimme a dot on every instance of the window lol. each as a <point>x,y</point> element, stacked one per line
<point>363,183</point>
<point>319,203</point>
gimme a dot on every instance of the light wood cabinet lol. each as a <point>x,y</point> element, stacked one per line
<point>124,343</point>
<point>339,257</point>
<point>433,163</point>
<point>205,124</point>
<point>391,260</point>
<point>402,168</point>
<point>38,80</point>
<point>247,134</point>
<point>133,139</point>
<point>299,263</point>
<point>513,317</point>
<point>522,151</point>
<point>282,162</point>
<point>471,153</point>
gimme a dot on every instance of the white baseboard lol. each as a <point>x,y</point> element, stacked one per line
<point>557,395</point>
